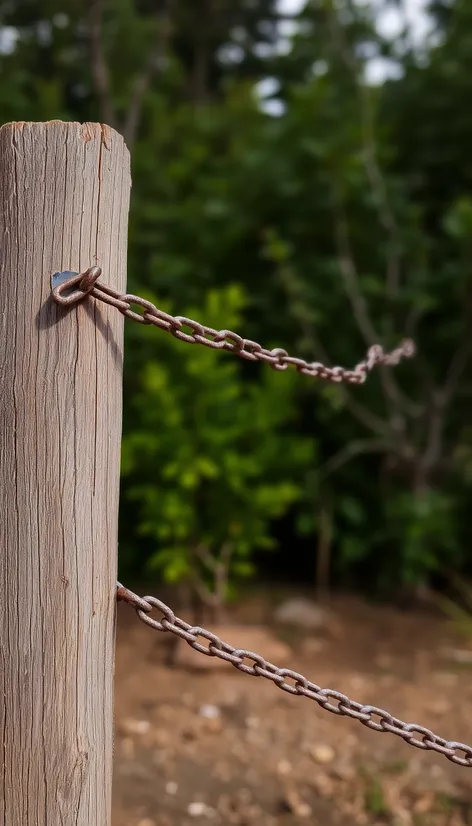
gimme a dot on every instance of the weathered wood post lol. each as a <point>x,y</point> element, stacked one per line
<point>64,194</point>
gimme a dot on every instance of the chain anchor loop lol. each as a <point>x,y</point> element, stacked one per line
<point>61,282</point>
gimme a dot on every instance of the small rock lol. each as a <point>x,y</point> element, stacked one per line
<point>146,822</point>
<point>304,810</point>
<point>213,726</point>
<point>135,726</point>
<point>252,722</point>
<point>323,784</point>
<point>292,802</point>
<point>461,656</point>
<point>284,767</point>
<point>198,809</point>
<point>171,787</point>
<point>322,753</point>
<point>302,613</point>
<point>209,711</point>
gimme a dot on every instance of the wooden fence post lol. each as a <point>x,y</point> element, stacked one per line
<point>64,194</point>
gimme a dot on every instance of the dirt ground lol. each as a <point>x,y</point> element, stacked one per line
<point>212,745</point>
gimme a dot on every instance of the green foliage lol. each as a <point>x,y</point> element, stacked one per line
<point>374,799</point>
<point>346,218</point>
<point>424,526</point>
<point>211,459</point>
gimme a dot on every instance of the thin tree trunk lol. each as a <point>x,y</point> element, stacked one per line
<point>323,555</point>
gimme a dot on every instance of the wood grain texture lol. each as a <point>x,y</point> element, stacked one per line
<point>64,196</point>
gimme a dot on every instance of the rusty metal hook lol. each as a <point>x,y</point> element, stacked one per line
<point>62,281</point>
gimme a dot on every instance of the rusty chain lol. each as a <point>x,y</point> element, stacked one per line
<point>87,283</point>
<point>377,719</point>
<point>290,681</point>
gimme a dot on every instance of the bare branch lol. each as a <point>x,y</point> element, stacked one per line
<point>98,64</point>
<point>371,165</point>
<point>226,552</point>
<point>433,450</point>
<point>440,400</point>
<point>213,563</point>
<point>454,372</point>
<point>350,276</point>
<point>359,307</point>
<point>412,321</point>
<point>222,570</point>
<point>208,598</point>
<point>143,80</point>
<point>363,415</point>
<point>206,557</point>
<point>323,551</point>
<point>355,448</point>
<point>219,567</point>
<point>379,189</point>
<point>348,268</point>
<point>294,291</point>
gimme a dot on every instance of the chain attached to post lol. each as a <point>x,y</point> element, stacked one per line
<point>87,284</point>
<point>86,281</point>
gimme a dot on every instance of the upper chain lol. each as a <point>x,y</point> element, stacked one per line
<point>292,682</point>
<point>87,284</point>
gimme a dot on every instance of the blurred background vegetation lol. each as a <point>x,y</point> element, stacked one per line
<point>304,177</point>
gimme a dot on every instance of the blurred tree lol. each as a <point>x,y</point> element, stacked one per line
<point>345,219</point>
<point>210,458</point>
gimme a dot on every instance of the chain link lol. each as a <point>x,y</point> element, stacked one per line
<point>192,332</point>
<point>200,639</point>
<point>244,660</point>
<point>290,681</point>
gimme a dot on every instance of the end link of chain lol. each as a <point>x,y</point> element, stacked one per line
<point>85,282</point>
<point>125,595</point>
